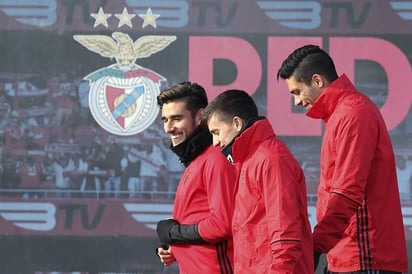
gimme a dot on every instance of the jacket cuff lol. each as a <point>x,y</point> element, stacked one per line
<point>186,234</point>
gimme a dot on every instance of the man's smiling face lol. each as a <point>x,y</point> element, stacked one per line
<point>223,132</point>
<point>178,122</point>
<point>304,95</point>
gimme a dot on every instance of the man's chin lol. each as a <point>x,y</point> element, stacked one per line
<point>175,143</point>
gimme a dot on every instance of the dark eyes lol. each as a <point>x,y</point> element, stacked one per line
<point>172,119</point>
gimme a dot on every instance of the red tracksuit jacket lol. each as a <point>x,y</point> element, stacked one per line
<point>271,230</point>
<point>358,209</point>
<point>204,197</point>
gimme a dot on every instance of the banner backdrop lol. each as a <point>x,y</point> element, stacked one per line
<point>82,144</point>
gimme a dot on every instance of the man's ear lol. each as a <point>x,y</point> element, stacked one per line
<point>198,116</point>
<point>318,80</point>
<point>238,123</point>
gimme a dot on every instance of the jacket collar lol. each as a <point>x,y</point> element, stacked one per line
<point>227,150</point>
<point>193,146</point>
<point>326,103</point>
<point>251,138</point>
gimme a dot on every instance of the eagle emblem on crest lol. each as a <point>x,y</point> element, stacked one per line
<point>122,48</point>
<point>122,96</point>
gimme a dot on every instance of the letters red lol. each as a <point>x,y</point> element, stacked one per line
<point>202,51</point>
<point>344,50</point>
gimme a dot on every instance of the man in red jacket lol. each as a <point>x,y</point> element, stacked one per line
<point>270,226</point>
<point>359,219</point>
<point>199,235</point>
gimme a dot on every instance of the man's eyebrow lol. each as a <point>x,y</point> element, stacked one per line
<point>172,116</point>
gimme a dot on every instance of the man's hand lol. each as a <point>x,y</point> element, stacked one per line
<point>166,256</point>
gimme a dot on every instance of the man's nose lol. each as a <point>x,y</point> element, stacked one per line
<point>216,141</point>
<point>298,101</point>
<point>168,127</point>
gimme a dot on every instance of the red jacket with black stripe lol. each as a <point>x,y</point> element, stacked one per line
<point>204,197</point>
<point>271,230</point>
<point>359,216</point>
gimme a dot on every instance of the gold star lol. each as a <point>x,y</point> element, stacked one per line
<point>101,18</point>
<point>125,18</point>
<point>149,18</point>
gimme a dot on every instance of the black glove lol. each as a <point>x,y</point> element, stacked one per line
<point>316,256</point>
<point>170,231</point>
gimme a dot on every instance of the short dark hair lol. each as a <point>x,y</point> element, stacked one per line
<point>305,61</point>
<point>229,104</point>
<point>193,94</point>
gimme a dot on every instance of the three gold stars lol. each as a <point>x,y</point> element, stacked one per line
<point>125,18</point>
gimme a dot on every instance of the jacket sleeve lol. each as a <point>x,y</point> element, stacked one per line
<point>354,141</point>
<point>329,231</point>
<point>219,178</point>
<point>170,231</point>
<point>281,183</point>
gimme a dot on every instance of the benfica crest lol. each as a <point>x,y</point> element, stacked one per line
<point>122,97</point>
